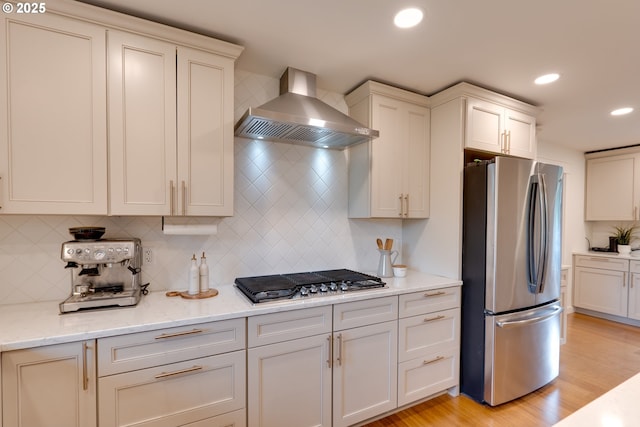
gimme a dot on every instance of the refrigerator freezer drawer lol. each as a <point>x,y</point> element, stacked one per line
<point>522,352</point>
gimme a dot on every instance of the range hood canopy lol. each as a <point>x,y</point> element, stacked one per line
<point>298,117</point>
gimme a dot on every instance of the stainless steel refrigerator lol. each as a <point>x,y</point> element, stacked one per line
<point>511,264</point>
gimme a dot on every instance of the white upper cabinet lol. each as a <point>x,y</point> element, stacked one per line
<point>142,125</point>
<point>612,186</point>
<point>205,133</point>
<point>389,175</point>
<point>53,143</point>
<point>97,120</point>
<point>494,128</point>
<point>171,131</point>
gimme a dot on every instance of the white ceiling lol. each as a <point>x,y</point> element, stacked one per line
<point>498,44</point>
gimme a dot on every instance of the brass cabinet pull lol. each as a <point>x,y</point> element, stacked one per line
<point>171,197</point>
<point>437,359</point>
<point>406,207</point>
<point>401,205</point>
<point>184,198</point>
<point>330,345</point>
<point>181,371</point>
<point>85,375</point>
<point>435,294</point>
<point>179,334</point>
<point>432,319</point>
<point>339,359</point>
<point>508,138</point>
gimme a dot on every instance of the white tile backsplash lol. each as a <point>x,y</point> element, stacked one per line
<point>290,215</point>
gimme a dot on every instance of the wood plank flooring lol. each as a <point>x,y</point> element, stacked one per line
<point>598,356</point>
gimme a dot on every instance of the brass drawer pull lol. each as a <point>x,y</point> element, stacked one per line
<point>437,359</point>
<point>432,319</point>
<point>179,334</point>
<point>435,294</point>
<point>181,371</point>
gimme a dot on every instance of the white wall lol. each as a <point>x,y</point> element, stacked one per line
<point>290,215</point>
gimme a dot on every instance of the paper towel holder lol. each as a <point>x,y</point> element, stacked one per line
<point>189,229</point>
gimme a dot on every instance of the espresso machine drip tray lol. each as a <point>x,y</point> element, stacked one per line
<point>99,299</point>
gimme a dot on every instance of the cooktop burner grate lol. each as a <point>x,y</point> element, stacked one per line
<point>327,282</point>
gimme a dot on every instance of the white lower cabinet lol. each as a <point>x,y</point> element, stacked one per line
<point>298,361</point>
<point>600,284</point>
<point>429,343</point>
<point>50,386</point>
<point>365,378</point>
<point>138,388</point>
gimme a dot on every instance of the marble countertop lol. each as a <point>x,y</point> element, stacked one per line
<point>38,324</point>
<point>633,255</point>
<point>616,408</point>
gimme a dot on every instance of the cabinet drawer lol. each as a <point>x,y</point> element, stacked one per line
<point>153,348</point>
<point>174,394</point>
<point>424,376</point>
<point>429,301</point>
<point>367,312</point>
<point>605,263</point>
<point>288,325</point>
<point>421,335</point>
<point>232,419</point>
<point>634,266</point>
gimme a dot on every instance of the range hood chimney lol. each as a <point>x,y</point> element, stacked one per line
<point>298,117</point>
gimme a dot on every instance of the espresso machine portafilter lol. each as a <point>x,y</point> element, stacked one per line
<point>104,273</point>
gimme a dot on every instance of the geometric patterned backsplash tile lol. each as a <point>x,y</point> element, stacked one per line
<point>290,215</point>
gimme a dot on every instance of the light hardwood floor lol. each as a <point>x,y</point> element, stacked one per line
<point>598,356</point>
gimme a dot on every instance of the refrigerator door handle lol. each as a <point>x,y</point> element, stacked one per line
<point>529,320</point>
<point>537,265</point>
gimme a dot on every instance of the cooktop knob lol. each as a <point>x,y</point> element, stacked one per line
<point>344,286</point>
<point>304,291</point>
<point>324,288</point>
<point>333,287</point>
<point>313,289</point>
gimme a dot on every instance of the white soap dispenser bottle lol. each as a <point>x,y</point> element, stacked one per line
<point>194,282</point>
<point>204,274</point>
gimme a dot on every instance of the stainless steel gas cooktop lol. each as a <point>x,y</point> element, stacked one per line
<point>305,285</point>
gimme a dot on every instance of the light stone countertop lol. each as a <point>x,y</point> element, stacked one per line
<point>634,255</point>
<point>38,324</point>
<point>616,408</point>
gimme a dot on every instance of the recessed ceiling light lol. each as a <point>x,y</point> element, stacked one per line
<point>408,18</point>
<point>547,78</point>
<point>621,111</point>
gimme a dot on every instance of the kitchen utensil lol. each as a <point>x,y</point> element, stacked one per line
<point>388,244</point>
<point>87,233</point>
<point>387,258</point>
<point>379,242</point>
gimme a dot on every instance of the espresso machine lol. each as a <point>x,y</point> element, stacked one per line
<point>104,273</point>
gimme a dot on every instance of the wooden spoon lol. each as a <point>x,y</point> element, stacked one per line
<point>379,242</point>
<point>388,244</point>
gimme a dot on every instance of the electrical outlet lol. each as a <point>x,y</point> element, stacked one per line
<point>148,256</point>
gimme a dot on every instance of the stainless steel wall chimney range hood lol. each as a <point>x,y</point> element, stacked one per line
<point>298,117</point>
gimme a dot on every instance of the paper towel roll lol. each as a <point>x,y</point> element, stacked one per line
<point>190,229</point>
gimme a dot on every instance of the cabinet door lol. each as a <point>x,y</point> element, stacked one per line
<point>634,297</point>
<point>365,372</point>
<point>612,188</point>
<point>53,143</point>
<point>289,383</point>
<point>142,125</point>
<point>417,158</point>
<point>484,130</point>
<point>521,134</point>
<point>599,290</point>
<point>174,394</point>
<point>52,385</point>
<point>387,166</point>
<point>205,133</point>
